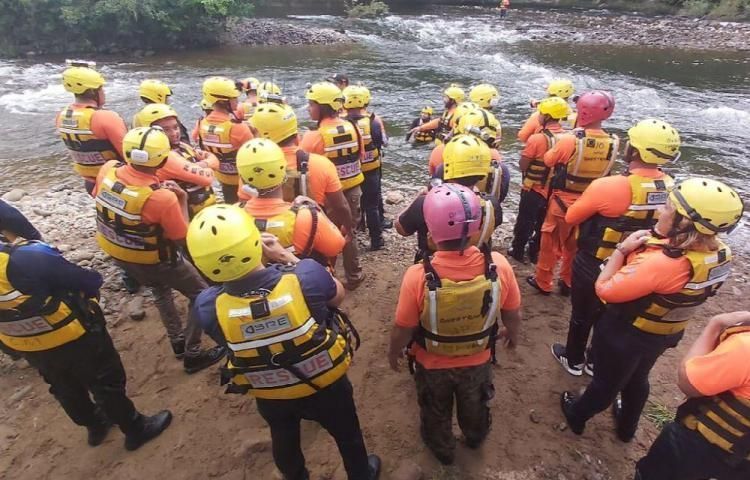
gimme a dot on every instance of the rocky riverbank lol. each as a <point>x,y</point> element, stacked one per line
<point>254,31</point>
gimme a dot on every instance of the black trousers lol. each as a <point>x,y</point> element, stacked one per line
<point>333,408</point>
<point>84,367</point>
<point>229,192</point>
<point>624,358</point>
<point>587,308</point>
<point>682,454</point>
<point>371,202</point>
<point>531,210</point>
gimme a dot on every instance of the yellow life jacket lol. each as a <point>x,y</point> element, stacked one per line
<point>484,235</point>
<point>341,143</point>
<point>371,159</point>
<point>493,182</point>
<point>599,235</point>
<point>424,137</point>
<point>445,126</point>
<point>88,152</point>
<point>537,173</point>
<point>724,419</point>
<point>198,197</point>
<point>297,181</point>
<point>594,156</point>
<point>121,231</point>
<point>283,226</point>
<point>31,323</point>
<point>459,318</point>
<point>216,138</point>
<point>666,314</point>
<point>277,350</point>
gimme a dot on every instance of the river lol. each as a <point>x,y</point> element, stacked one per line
<point>407,60</point>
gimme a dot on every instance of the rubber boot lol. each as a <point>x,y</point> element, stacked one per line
<point>147,428</point>
<point>204,359</point>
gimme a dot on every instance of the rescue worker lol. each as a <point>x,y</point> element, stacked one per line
<point>576,160</point>
<point>443,126</point>
<point>192,169</point>
<point>386,223</point>
<point>308,174</point>
<point>416,136</point>
<point>340,80</point>
<point>504,6</point>
<point>650,284</point>
<point>467,161</point>
<point>608,211</point>
<point>269,92</point>
<point>436,155</point>
<point>140,223</point>
<point>222,134</point>
<point>156,91</point>
<point>249,87</point>
<point>340,141</point>
<point>49,314</point>
<point>356,99</point>
<point>91,134</point>
<point>558,87</point>
<point>485,95</point>
<point>709,438</point>
<point>305,378</point>
<point>447,310</point>
<point>304,228</point>
<point>207,108</point>
<point>532,207</point>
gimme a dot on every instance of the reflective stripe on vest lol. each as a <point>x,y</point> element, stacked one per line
<point>341,146</point>
<point>594,156</point>
<point>33,324</point>
<point>371,159</point>
<point>87,152</point>
<point>121,231</point>
<point>600,235</point>
<point>277,350</point>
<point>492,183</point>
<point>217,139</point>
<point>198,197</point>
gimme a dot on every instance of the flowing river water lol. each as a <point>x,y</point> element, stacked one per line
<point>407,60</point>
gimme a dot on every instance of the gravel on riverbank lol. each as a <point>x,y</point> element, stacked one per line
<point>253,31</point>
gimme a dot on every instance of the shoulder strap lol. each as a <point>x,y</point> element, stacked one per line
<point>430,275</point>
<point>303,158</point>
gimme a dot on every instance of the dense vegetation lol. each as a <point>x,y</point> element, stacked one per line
<point>66,26</point>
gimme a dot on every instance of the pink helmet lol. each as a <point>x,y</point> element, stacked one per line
<point>451,212</point>
<point>594,106</point>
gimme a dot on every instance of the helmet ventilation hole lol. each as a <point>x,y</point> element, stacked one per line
<point>246,259</point>
<point>213,230</point>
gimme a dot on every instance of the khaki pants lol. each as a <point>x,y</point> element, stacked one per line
<point>352,268</point>
<point>162,279</point>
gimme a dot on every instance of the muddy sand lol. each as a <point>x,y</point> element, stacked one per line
<point>215,435</point>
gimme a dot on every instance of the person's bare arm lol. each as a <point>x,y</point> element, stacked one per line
<point>400,338</point>
<point>511,327</point>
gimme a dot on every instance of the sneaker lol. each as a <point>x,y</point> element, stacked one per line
<point>148,429</point>
<point>178,347</point>
<point>558,351</point>
<point>97,433</point>
<point>204,359</point>
<point>588,368</point>
<point>563,289</point>
<point>373,461</point>
<point>532,282</point>
<point>567,400</point>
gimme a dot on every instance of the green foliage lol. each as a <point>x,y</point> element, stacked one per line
<point>68,26</point>
<point>695,8</point>
<point>659,414</point>
<point>731,9</point>
<point>366,9</point>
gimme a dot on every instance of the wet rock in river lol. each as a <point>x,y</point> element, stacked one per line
<point>14,195</point>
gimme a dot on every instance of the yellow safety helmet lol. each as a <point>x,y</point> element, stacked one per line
<point>274,121</point>
<point>427,110</point>
<point>146,146</point>
<point>326,93</point>
<point>224,242</point>
<point>249,84</point>
<point>560,87</point>
<point>466,156</point>
<point>268,91</point>
<point>711,205</point>
<point>154,112</point>
<point>555,107</point>
<point>77,80</point>
<point>261,164</point>
<point>217,89</point>
<point>484,95</point>
<point>656,141</point>
<point>455,93</point>
<point>479,122</point>
<point>154,90</point>
<point>461,110</point>
<point>206,105</point>
<point>355,96</point>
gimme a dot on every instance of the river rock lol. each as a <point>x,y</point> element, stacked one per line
<point>394,198</point>
<point>407,470</point>
<point>134,309</point>
<point>247,31</point>
<point>81,255</point>
<point>42,212</point>
<point>15,195</point>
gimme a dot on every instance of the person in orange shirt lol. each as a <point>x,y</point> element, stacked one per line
<point>340,141</point>
<point>91,134</point>
<point>140,223</point>
<point>504,6</point>
<point>651,284</point>
<point>709,437</point>
<point>246,109</point>
<point>222,134</point>
<point>304,228</point>
<point>308,174</point>
<point>532,207</point>
<point>559,87</point>
<point>192,169</point>
<point>578,159</point>
<point>609,209</point>
<point>448,310</point>
<point>443,126</point>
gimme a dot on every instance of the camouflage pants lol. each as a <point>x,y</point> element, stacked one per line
<point>472,389</point>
